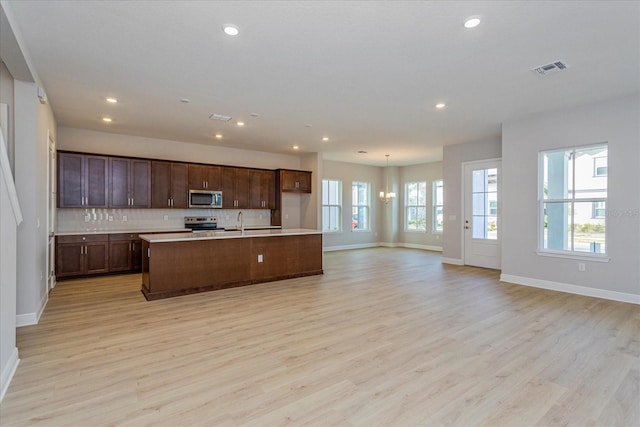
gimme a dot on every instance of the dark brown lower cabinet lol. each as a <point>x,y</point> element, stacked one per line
<point>82,255</point>
<point>125,252</point>
<point>89,254</point>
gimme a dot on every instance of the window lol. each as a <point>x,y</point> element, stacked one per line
<point>573,198</point>
<point>599,166</point>
<point>415,206</point>
<point>360,205</point>
<point>484,204</point>
<point>599,210</point>
<point>438,212</point>
<point>331,205</point>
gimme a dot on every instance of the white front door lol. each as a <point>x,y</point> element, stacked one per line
<point>482,214</point>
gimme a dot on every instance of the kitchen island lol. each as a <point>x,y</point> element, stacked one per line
<point>184,263</point>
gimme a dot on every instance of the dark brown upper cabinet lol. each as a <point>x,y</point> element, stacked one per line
<point>129,183</point>
<point>203,177</point>
<point>82,181</point>
<point>169,187</point>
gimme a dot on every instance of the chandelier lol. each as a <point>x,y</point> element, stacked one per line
<point>387,196</point>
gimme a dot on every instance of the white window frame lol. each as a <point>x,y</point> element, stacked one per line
<point>338,206</point>
<point>437,204</point>
<point>407,206</point>
<point>357,205</point>
<point>570,253</point>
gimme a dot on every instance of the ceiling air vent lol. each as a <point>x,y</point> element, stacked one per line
<point>554,67</point>
<point>220,117</point>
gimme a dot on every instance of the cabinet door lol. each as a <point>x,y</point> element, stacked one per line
<point>179,188</point>
<point>228,187</point>
<point>256,194</point>
<point>269,188</point>
<point>119,183</point>
<point>120,256</point>
<point>213,178</point>
<point>242,188</point>
<point>70,172</point>
<point>69,259</point>
<point>161,184</point>
<point>140,183</point>
<point>304,182</point>
<point>197,180</point>
<point>97,257</point>
<point>96,180</point>
<point>136,255</point>
<point>288,180</point>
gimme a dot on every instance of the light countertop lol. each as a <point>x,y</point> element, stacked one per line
<point>211,235</point>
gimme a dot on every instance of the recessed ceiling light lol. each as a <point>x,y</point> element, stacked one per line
<point>219,135</point>
<point>472,22</point>
<point>325,138</point>
<point>362,152</point>
<point>185,101</point>
<point>111,100</point>
<point>107,119</point>
<point>240,123</point>
<point>230,30</point>
<point>254,114</point>
<point>440,105</point>
<point>308,125</point>
<point>295,147</point>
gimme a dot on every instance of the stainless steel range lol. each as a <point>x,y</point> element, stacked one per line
<point>201,223</point>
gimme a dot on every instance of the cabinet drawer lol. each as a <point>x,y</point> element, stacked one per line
<point>81,238</point>
<point>116,237</point>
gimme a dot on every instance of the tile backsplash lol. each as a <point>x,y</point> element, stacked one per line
<point>97,219</point>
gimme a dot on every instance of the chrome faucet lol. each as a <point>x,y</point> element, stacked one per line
<point>239,219</point>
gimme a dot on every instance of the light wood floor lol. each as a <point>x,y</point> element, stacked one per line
<point>384,337</point>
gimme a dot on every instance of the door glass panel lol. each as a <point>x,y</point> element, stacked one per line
<point>484,205</point>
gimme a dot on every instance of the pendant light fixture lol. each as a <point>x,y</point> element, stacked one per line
<point>387,196</point>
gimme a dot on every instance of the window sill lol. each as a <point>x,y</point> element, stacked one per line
<point>331,231</point>
<point>576,256</point>
<point>360,231</point>
<point>415,231</point>
<point>436,232</point>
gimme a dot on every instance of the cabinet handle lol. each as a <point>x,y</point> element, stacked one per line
<point>171,202</point>
<point>168,202</point>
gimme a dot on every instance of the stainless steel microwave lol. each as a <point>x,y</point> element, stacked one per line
<point>205,199</point>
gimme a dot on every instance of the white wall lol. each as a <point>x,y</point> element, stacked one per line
<point>32,123</point>
<point>348,173</point>
<point>6,97</point>
<point>428,172</point>
<point>88,141</point>
<point>453,158</point>
<point>616,122</point>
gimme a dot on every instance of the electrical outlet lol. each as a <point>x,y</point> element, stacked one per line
<point>124,217</point>
<point>286,216</point>
<point>87,218</point>
<point>110,217</point>
<point>582,266</point>
<point>437,237</point>
<point>260,258</point>
<point>166,217</point>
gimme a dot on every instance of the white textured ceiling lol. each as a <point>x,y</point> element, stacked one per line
<point>366,74</point>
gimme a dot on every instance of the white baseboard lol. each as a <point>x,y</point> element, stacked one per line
<point>29,319</point>
<point>423,247</point>
<point>349,247</point>
<point>572,289</point>
<point>453,261</point>
<point>8,372</point>
<point>382,244</point>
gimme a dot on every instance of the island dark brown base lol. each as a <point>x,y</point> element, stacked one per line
<point>185,267</point>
